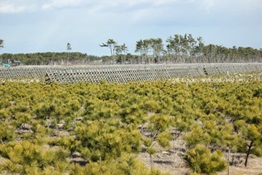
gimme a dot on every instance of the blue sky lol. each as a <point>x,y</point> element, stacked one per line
<point>29,26</point>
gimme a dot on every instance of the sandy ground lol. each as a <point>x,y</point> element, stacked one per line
<point>175,166</point>
<point>171,161</point>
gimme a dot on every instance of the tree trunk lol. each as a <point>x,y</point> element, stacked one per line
<point>248,152</point>
<point>151,162</point>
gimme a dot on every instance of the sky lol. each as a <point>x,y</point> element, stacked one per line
<point>29,26</point>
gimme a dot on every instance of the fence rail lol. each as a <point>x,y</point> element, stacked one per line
<point>124,73</point>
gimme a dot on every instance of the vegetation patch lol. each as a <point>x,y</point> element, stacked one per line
<point>86,128</point>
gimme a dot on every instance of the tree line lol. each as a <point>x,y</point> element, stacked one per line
<point>182,49</point>
<point>175,49</point>
<point>48,58</point>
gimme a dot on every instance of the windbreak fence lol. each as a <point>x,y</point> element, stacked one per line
<point>123,73</point>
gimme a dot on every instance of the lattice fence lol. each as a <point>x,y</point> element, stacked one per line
<point>123,73</point>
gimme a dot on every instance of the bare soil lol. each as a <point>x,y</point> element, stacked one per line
<point>171,161</point>
<point>174,165</point>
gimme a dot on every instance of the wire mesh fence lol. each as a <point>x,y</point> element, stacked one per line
<point>124,73</point>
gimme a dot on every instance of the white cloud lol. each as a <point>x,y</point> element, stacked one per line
<point>208,4</point>
<point>61,4</point>
<point>125,21</point>
<point>14,8</point>
<point>230,5</point>
<point>105,4</point>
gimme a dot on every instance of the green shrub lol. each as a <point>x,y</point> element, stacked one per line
<point>201,160</point>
